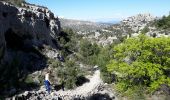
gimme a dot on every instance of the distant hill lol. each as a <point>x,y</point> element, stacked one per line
<point>109,22</point>
<point>82,25</point>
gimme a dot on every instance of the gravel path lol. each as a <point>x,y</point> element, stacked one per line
<point>86,88</point>
<point>91,90</point>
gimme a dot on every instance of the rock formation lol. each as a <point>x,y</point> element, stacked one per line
<point>138,22</point>
<point>25,32</point>
<point>26,25</point>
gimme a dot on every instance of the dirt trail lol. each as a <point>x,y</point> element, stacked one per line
<point>91,90</point>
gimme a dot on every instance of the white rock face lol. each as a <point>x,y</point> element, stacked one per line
<point>138,22</point>
<point>34,24</point>
<point>53,54</point>
<point>106,41</point>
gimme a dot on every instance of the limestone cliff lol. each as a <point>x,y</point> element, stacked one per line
<point>138,22</point>
<point>27,34</point>
<point>26,25</point>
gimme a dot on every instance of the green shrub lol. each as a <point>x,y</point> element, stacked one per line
<point>163,23</point>
<point>103,59</point>
<point>55,64</point>
<point>141,61</point>
<point>29,79</point>
<point>86,48</point>
<point>89,52</point>
<point>70,82</point>
<point>68,74</point>
<point>145,30</point>
<point>93,54</point>
<point>68,41</point>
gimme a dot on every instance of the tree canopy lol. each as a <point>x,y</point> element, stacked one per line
<point>164,22</point>
<point>141,62</point>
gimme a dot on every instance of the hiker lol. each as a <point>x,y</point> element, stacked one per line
<point>47,82</point>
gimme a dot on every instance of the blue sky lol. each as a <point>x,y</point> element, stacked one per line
<point>104,10</point>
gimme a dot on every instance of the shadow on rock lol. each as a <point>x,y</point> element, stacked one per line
<point>58,87</point>
<point>100,97</point>
<point>24,58</point>
<point>81,80</point>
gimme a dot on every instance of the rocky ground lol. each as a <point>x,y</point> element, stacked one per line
<point>92,90</point>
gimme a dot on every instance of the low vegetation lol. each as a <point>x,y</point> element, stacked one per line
<point>164,22</point>
<point>93,54</point>
<point>84,52</point>
<point>145,30</point>
<point>68,71</point>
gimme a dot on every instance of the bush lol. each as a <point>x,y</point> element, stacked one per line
<point>89,52</point>
<point>145,30</point>
<point>103,59</point>
<point>68,41</point>
<point>141,61</point>
<point>86,48</point>
<point>55,64</point>
<point>68,74</point>
<point>134,93</point>
<point>92,54</point>
<point>29,79</point>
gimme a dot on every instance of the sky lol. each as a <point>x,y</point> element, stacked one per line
<point>104,10</point>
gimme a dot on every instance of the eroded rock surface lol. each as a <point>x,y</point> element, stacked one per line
<point>26,25</point>
<point>138,22</point>
<point>25,32</point>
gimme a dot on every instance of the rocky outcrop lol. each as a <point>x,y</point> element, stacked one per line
<point>138,22</point>
<point>26,25</point>
<point>116,33</point>
<point>25,32</point>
